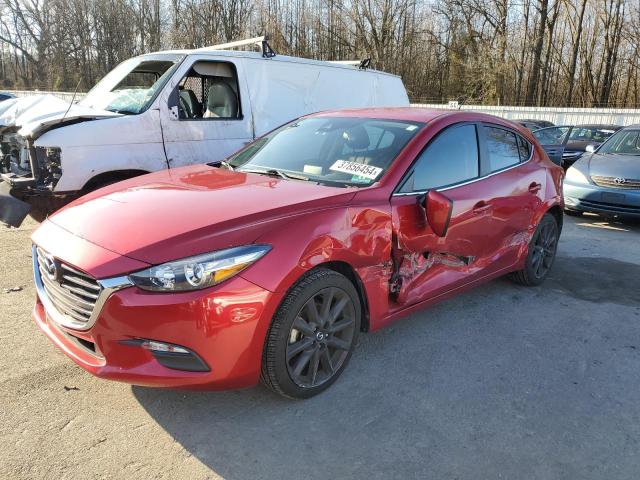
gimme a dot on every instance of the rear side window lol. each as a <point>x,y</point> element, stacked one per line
<point>525,149</point>
<point>502,147</point>
<point>449,159</point>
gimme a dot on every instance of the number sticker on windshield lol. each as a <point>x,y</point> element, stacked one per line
<point>360,169</point>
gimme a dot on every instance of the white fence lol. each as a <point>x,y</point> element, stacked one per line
<point>557,115</point>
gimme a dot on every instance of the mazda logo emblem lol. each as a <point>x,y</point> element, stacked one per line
<point>50,267</point>
<point>619,180</point>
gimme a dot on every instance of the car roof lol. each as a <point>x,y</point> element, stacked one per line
<point>411,114</point>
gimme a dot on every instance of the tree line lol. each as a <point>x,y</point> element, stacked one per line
<point>504,52</point>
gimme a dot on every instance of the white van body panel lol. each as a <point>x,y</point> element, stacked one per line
<point>91,148</point>
<point>272,91</point>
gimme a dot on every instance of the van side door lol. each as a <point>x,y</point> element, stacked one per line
<point>206,114</point>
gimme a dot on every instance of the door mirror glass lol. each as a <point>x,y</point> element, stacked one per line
<point>438,209</point>
<point>590,148</point>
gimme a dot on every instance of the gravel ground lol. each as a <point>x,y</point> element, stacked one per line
<point>500,382</point>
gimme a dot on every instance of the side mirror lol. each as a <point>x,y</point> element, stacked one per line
<point>438,209</point>
<point>590,148</point>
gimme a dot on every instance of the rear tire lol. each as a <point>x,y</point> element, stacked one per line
<point>312,335</point>
<point>541,254</point>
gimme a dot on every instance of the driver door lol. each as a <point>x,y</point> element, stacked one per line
<point>427,264</point>
<point>198,128</point>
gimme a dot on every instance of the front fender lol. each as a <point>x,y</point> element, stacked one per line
<point>357,236</point>
<point>93,147</point>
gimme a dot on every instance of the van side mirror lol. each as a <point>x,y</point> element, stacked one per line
<point>438,209</point>
<point>590,148</point>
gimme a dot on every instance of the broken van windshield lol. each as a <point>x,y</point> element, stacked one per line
<point>131,86</point>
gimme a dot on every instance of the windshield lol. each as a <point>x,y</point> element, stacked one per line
<point>625,142</point>
<point>590,134</point>
<point>551,135</point>
<point>131,86</point>
<point>329,150</point>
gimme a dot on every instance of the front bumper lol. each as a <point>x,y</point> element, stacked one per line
<point>608,201</point>
<point>224,326</point>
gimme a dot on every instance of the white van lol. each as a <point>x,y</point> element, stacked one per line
<point>165,110</point>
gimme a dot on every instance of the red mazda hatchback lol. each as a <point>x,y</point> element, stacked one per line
<point>268,266</point>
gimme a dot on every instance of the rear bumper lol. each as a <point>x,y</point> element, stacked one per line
<point>225,327</point>
<point>609,201</point>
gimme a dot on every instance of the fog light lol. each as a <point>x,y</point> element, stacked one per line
<point>163,347</point>
<point>171,356</point>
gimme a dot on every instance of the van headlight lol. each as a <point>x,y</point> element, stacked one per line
<point>201,271</point>
<point>576,176</point>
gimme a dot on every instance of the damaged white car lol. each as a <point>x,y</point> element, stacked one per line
<point>165,110</point>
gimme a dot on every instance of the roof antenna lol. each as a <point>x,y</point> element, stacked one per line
<point>72,99</point>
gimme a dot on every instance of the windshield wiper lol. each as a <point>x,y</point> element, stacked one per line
<point>272,172</point>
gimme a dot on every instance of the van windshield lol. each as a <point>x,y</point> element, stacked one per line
<point>132,86</point>
<point>329,150</point>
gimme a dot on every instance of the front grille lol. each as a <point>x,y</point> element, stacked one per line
<point>616,182</point>
<point>71,292</point>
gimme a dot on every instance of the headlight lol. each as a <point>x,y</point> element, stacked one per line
<point>201,271</point>
<point>576,176</point>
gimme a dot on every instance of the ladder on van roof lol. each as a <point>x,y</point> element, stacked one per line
<point>262,42</point>
<point>268,52</point>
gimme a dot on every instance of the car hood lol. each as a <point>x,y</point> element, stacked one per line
<point>613,165</point>
<point>579,146</point>
<point>34,115</point>
<point>191,210</point>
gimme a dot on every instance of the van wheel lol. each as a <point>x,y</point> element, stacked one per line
<point>312,335</point>
<point>542,253</point>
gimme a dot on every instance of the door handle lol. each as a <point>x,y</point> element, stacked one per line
<point>535,187</point>
<point>481,207</point>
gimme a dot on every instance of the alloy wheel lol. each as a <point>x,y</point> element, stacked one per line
<point>321,337</point>
<point>544,249</point>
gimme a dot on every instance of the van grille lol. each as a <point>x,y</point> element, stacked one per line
<point>616,182</point>
<point>71,292</point>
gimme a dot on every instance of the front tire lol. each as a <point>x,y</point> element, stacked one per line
<point>542,253</point>
<point>312,336</point>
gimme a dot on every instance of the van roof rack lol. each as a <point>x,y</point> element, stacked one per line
<point>361,64</point>
<point>262,42</point>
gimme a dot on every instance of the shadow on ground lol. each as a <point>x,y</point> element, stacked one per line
<point>455,391</point>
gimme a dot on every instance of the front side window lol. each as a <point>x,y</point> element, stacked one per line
<point>328,150</point>
<point>132,86</point>
<point>209,90</point>
<point>452,157</point>
<point>502,147</point>
<point>624,142</point>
